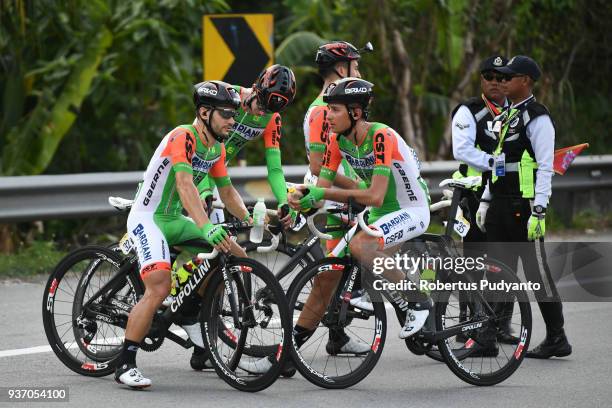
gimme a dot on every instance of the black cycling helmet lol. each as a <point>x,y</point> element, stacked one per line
<point>215,93</point>
<point>350,92</point>
<point>275,88</point>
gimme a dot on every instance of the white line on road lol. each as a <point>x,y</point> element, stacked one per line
<point>46,349</point>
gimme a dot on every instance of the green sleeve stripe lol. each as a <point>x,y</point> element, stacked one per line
<point>204,185</point>
<point>276,176</point>
<point>222,181</point>
<point>183,167</point>
<point>382,170</point>
<point>317,147</point>
<point>327,174</point>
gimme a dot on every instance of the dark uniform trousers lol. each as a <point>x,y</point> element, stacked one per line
<point>506,223</point>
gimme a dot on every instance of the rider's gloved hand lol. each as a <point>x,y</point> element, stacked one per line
<point>536,225</point>
<point>315,194</point>
<point>287,216</point>
<point>481,215</point>
<point>214,234</point>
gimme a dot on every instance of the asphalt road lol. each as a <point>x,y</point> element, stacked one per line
<point>399,379</point>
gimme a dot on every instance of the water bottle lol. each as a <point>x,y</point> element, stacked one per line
<point>182,275</point>
<point>259,216</point>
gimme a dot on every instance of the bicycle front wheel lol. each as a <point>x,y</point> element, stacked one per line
<point>481,359</point>
<point>321,359</point>
<point>234,309</point>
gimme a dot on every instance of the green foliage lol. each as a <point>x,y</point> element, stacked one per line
<point>38,258</point>
<point>80,76</point>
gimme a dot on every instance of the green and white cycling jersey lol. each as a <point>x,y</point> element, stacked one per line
<point>180,150</point>
<point>316,137</point>
<point>155,220</point>
<point>383,152</point>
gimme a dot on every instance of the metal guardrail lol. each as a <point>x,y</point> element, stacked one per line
<point>29,198</point>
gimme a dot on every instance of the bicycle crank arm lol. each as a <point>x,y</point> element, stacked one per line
<point>185,343</point>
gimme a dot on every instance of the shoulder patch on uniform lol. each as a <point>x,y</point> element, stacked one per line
<point>462,126</point>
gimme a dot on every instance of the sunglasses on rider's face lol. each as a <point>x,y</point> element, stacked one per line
<point>490,76</point>
<point>227,113</point>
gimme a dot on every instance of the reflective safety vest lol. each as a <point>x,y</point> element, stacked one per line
<point>485,140</point>
<point>520,160</point>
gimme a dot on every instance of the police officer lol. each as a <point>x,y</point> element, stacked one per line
<point>473,146</point>
<point>518,193</point>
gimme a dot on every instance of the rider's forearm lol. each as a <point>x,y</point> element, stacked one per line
<point>276,177</point>
<point>233,202</point>
<point>368,197</point>
<point>345,182</point>
<point>192,203</point>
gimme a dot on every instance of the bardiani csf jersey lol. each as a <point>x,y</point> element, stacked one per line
<point>316,127</point>
<point>383,152</point>
<point>179,150</point>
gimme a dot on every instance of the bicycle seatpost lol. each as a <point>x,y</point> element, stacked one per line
<point>453,211</point>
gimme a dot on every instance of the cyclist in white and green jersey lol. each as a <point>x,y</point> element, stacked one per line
<point>184,157</point>
<point>397,194</point>
<point>335,60</point>
<point>259,117</point>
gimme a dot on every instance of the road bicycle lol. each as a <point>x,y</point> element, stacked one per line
<point>462,322</point>
<point>90,293</point>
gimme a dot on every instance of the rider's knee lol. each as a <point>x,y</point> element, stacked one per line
<point>157,281</point>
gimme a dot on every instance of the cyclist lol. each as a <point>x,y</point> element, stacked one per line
<point>335,60</point>
<point>397,194</point>
<point>259,116</point>
<point>184,157</point>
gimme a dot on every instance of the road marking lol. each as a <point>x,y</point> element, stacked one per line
<point>47,349</point>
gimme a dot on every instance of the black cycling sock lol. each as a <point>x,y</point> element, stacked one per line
<point>198,350</point>
<point>191,306</point>
<point>337,335</point>
<point>128,354</point>
<point>301,335</point>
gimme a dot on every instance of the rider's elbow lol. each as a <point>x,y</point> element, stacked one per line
<point>315,168</point>
<point>377,201</point>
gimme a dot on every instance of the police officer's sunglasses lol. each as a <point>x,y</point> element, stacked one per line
<point>227,113</point>
<point>490,76</point>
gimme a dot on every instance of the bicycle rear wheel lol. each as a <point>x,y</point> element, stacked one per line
<point>482,360</point>
<point>88,339</point>
<point>263,322</point>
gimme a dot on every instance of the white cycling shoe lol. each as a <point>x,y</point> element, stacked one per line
<point>415,320</point>
<point>194,331</point>
<point>354,347</point>
<point>259,366</point>
<point>131,376</point>
<point>362,301</point>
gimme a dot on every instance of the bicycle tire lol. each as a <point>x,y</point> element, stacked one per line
<point>313,374</point>
<point>90,365</point>
<point>460,367</point>
<point>213,312</point>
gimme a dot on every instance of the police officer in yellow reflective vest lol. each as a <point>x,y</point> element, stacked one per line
<point>473,146</point>
<point>518,193</point>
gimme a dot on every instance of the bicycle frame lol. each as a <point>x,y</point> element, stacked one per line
<point>171,313</point>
